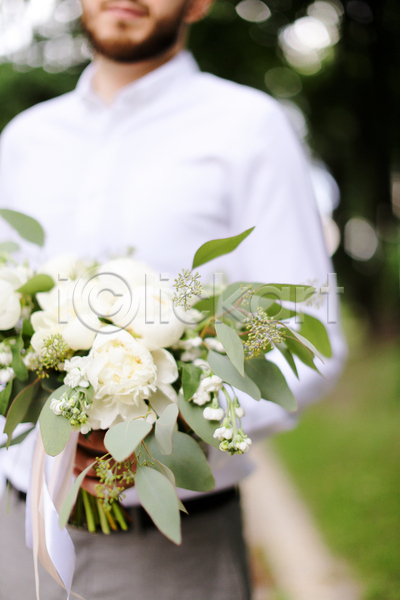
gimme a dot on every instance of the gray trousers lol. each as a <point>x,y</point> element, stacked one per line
<point>137,565</point>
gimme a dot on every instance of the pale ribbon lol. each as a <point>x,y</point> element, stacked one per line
<point>50,482</point>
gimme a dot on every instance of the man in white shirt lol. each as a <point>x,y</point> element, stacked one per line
<point>149,152</point>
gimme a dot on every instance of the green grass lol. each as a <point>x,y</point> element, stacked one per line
<point>345,458</point>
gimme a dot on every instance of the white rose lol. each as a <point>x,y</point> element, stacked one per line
<point>123,374</point>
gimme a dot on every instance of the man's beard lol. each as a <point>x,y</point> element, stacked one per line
<point>124,50</point>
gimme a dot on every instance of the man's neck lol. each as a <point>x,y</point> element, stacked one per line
<point>110,76</point>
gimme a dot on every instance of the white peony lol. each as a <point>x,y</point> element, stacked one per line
<point>11,279</point>
<point>124,373</point>
<point>64,267</point>
<point>65,315</point>
<point>152,318</point>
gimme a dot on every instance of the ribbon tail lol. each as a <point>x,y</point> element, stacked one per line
<point>51,545</point>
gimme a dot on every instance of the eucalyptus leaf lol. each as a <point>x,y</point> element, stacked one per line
<point>305,343</point>
<point>70,500</point>
<point>314,331</point>
<point>285,292</point>
<point>27,227</point>
<point>123,439</point>
<point>19,408</point>
<point>288,356</point>
<point>187,462</point>
<point>193,415</point>
<point>207,305</point>
<point>232,344</point>
<point>222,366</point>
<point>216,248</point>
<point>191,377</point>
<point>33,413</point>
<point>5,398</point>
<point>19,439</point>
<point>38,283</point>
<point>18,364</point>
<point>182,507</point>
<point>9,247</point>
<point>159,466</point>
<point>271,382</point>
<point>165,428</point>
<point>55,429</point>
<point>306,357</point>
<point>159,499</point>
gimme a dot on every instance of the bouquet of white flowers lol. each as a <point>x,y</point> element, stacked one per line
<point>114,347</point>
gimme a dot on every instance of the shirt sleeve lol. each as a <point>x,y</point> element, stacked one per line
<point>273,192</point>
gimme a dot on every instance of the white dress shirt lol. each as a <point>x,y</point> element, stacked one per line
<point>179,158</point>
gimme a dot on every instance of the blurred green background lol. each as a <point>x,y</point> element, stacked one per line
<point>335,66</point>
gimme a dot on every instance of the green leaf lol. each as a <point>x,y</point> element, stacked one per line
<point>187,462</point>
<point>18,364</point>
<point>38,283</point>
<point>288,356</point>
<point>193,415</point>
<point>314,331</point>
<point>222,366</point>
<point>305,343</point>
<point>207,305</point>
<point>216,248</point>
<point>33,413</point>
<point>285,292</point>
<point>28,228</point>
<point>123,439</point>
<point>301,352</point>
<point>70,500</point>
<point>159,499</point>
<point>161,468</point>
<point>55,429</point>
<point>9,247</point>
<point>19,439</point>
<point>27,328</point>
<point>5,398</point>
<point>165,428</point>
<point>191,377</point>
<point>19,408</point>
<point>280,313</point>
<point>271,382</point>
<point>232,344</point>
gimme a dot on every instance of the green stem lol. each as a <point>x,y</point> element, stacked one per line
<point>105,527</point>
<point>111,520</point>
<point>231,409</point>
<point>89,513</point>
<point>95,510</point>
<point>119,516</point>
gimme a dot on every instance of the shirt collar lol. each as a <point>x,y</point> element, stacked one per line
<point>180,66</point>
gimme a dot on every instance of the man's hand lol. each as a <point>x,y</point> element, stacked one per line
<point>86,453</point>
